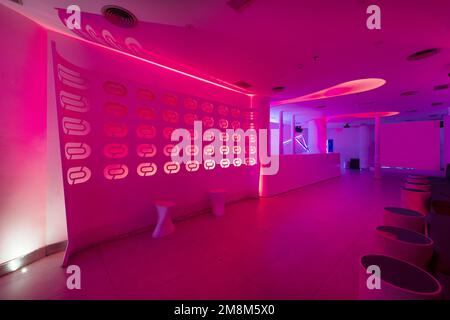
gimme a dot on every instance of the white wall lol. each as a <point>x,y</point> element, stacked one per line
<point>411,145</point>
<point>347,143</point>
<point>23,136</point>
<point>56,228</point>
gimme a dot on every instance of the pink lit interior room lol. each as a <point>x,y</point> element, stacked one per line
<point>225,150</point>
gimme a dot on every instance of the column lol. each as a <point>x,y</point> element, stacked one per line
<point>281,144</point>
<point>377,160</point>
<point>364,146</point>
<point>317,135</point>
<point>293,134</point>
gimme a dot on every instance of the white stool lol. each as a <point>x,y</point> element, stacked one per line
<point>400,280</point>
<point>418,186</point>
<point>404,244</point>
<point>217,198</point>
<point>418,180</point>
<point>415,176</point>
<point>404,218</point>
<point>416,200</point>
<point>164,226</point>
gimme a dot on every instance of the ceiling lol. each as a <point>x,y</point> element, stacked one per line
<point>304,46</point>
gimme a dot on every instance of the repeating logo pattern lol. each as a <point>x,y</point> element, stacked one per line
<point>136,125</point>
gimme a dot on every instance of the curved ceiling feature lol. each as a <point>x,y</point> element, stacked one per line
<point>364,115</point>
<point>342,89</point>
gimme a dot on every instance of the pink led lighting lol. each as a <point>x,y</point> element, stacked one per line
<point>342,89</point>
<point>151,62</point>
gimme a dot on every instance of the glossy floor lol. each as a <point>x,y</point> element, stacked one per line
<point>304,244</point>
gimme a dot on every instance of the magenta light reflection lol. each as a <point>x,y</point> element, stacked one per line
<point>153,63</point>
<point>341,89</point>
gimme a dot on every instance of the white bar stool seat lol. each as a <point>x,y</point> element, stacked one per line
<point>418,186</point>
<point>400,280</point>
<point>164,226</point>
<point>404,218</point>
<point>417,200</point>
<point>217,198</point>
<point>404,244</point>
<point>418,180</point>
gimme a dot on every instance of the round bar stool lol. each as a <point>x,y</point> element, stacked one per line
<point>404,244</point>
<point>417,200</point>
<point>418,180</point>
<point>418,186</point>
<point>404,218</point>
<point>415,176</point>
<point>217,198</point>
<point>399,280</point>
<point>164,226</point>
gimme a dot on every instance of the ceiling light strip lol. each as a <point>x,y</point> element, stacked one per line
<point>151,62</point>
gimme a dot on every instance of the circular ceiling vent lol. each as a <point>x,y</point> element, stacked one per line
<point>119,17</point>
<point>278,89</point>
<point>408,93</point>
<point>423,54</point>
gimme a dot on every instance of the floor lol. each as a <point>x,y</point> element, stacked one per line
<point>304,244</point>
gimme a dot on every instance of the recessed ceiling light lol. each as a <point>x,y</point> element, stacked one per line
<point>278,89</point>
<point>423,54</point>
<point>408,93</point>
<point>239,5</point>
<point>435,104</point>
<point>441,87</point>
<point>119,16</point>
<point>243,84</point>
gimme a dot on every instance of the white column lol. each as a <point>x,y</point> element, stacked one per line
<point>281,144</point>
<point>364,146</point>
<point>293,133</point>
<point>377,159</point>
<point>317,135</point>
